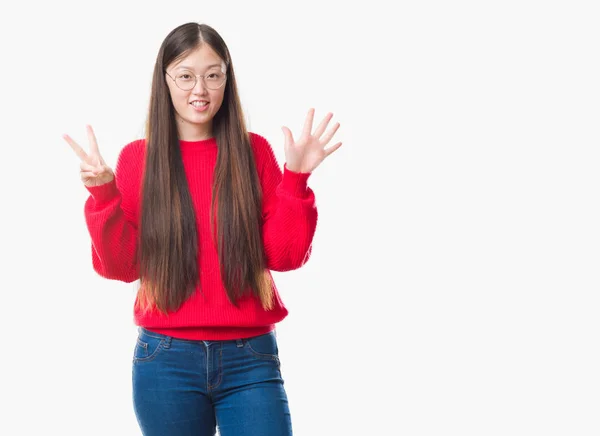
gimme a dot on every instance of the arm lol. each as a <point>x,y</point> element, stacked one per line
<point>111,225</point>
<point>289,212</point>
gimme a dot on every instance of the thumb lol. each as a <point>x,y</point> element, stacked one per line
<point>289,138</point>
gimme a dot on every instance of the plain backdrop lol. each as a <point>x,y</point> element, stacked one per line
<point>454,283</point>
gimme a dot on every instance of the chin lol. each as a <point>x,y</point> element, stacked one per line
<point>195,117</point>
<point>198,121</point>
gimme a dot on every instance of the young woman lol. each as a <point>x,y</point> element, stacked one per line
<point>200,212</point>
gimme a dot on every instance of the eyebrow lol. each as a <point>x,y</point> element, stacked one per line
<point>186,67</point>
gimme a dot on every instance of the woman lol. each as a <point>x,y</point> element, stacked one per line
<point>200,212</point>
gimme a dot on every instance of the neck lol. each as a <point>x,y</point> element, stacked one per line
<point>194,132</point>
<point>193,138</point>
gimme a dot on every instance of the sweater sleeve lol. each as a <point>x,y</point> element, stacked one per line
<point>111,225</point>
<point>289,212</point>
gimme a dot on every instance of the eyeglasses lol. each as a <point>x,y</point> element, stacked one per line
<point>186,80</point>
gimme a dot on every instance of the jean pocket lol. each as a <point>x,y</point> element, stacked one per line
<point>147,346</point>
<point>263,346</point>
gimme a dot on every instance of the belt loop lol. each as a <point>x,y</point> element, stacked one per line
<point>167,343</point>
<point>239,343</point>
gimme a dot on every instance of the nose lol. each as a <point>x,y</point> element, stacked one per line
<point>200,87</point>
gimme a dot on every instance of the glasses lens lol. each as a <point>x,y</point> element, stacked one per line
<point>185,80</point>
<point>214,79</point>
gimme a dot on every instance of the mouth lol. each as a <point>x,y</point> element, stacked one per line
<point>199,105</point>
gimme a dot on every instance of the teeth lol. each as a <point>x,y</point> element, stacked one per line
<point>199,103</point>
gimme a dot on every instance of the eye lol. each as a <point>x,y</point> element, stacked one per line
<point>216,77</point>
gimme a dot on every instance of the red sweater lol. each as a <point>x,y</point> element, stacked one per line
<point>290,218</point>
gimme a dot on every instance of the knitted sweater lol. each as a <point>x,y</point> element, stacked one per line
<point>289,222</point>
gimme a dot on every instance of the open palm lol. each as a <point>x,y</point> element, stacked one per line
<point>307,153</point>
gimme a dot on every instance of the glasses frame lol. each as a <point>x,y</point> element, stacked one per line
<point>196,76</point>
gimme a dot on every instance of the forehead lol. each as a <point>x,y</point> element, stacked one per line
<point>201,58</point>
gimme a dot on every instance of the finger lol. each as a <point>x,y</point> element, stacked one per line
<point>85,167</point>
<point>330,134</point>
<point>93,143</point>
<point>308,123</point>
<point>287,133</point>
<point>331,149</point>
<point>76,148</point>
<point>87,175</point>
<point>321,128</point>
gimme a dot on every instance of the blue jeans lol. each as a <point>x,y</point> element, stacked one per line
<point>184,387</point>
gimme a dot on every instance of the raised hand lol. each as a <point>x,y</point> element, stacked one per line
<point>305,154</point>
<point>93,169</point>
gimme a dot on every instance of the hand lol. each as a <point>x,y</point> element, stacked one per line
<point>304,155</point>
<point>94,171</point>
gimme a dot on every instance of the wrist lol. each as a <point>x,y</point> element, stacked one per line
<point>294,183</point>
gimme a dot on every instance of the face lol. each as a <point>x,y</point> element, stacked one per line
<point>196,107</point>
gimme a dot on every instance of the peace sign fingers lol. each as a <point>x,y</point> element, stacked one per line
<point>94,156</point>
<point>93,169</point>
